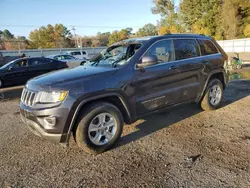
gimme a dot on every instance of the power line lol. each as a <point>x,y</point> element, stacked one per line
<point>79,26</point>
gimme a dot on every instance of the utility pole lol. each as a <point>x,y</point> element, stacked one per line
<point>73,29</point>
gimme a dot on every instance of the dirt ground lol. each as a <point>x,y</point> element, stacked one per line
<point>182,147</point>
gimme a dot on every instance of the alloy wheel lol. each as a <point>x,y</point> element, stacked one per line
<point>215,95</point>
<point>102,129</point>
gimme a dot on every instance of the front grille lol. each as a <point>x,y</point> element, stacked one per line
<point>28,97</point>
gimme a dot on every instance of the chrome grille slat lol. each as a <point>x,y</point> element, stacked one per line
<point>28,97</point>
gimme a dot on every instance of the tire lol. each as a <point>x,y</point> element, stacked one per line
<point>1,83</point>
<point>91,117</point>
<point>239,66</point>
<point>207,102</point>
<point>82,63</point>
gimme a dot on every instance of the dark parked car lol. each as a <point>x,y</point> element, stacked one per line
<point>19,71</point>
<point>6,59</point>
<point>129,80</point>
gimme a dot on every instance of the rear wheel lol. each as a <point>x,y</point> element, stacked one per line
<point>239,66</point>
<point>213,95</point>
<point>99,127</point>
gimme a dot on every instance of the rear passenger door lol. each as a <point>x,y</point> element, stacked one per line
<point>187,54</point>
<point>39,66</point>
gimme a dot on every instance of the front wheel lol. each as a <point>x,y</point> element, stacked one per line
<point>213,95</point>
<point>98,128</point>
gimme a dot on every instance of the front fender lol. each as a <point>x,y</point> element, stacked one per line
<point>80,103</point>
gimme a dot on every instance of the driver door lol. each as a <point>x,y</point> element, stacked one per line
<point>18,73</point>
<point>158,86</point>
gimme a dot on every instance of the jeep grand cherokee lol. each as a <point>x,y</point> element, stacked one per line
<point>128,80</point>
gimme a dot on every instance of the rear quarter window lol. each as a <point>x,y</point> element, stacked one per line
<point>207,47</point>
<point>186,48</point>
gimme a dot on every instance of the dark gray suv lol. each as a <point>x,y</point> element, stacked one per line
<point>128,80</point>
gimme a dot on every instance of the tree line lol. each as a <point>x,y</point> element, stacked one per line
<point>221,19</point>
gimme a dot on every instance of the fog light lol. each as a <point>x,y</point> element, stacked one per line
<point>51,121</point>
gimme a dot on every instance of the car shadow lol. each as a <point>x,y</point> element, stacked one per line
<point>10,93</point>
<point>235,91</point>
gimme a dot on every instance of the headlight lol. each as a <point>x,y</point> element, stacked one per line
<point>52,97</point>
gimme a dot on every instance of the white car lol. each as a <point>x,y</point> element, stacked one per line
<point>81,54</point>
<point>69,59</point>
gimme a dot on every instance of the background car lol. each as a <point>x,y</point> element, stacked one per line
<point>80,54</point>
<point>69,59</point>
<point>19,71</point>
<point>6,59</point>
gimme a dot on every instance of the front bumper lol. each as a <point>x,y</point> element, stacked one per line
<point>37,130</point>
<point>35,119</point>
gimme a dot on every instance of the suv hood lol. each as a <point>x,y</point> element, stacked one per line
<point>65,77</point>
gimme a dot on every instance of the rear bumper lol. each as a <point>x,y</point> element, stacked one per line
<point>37,130</point>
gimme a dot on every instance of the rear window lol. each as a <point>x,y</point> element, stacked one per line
<point>75,53</point>
<point>207,47</point>
<point>185,48</point>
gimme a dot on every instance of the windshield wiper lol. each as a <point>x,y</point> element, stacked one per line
<point>116,62</point>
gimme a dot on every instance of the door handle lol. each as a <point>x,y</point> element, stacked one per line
<point>173,67</point>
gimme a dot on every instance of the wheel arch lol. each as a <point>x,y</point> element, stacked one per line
<point>221,75</point>
<point>113,98</point>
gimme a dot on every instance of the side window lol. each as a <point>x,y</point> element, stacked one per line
<point>58,57</point>
<point>163,50</point>
<point>207,47</point>
<point>68,57</point>
<point>84,53</point>
<point>44,61</point>
<point>185,48</point>
<point>75,53</point>
<point>21,63</point>
<point>33,62</point>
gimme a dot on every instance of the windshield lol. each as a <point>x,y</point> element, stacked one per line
<point>115,55</point>
<point>7,65</point>
<point>110,56</point>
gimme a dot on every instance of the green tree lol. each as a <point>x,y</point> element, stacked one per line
<point>200,16</point>
<point>118,36</point>
<point>7,34</point>
<point>57,36</point>
<point>103,38</point>
<point>147,30</point>
<point>114,37</point>
<point>235,17</point>
<point>169,16</point>
<point>247,31</point>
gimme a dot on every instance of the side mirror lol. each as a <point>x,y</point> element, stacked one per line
<point>10,68</point>
<point>148,61</point>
